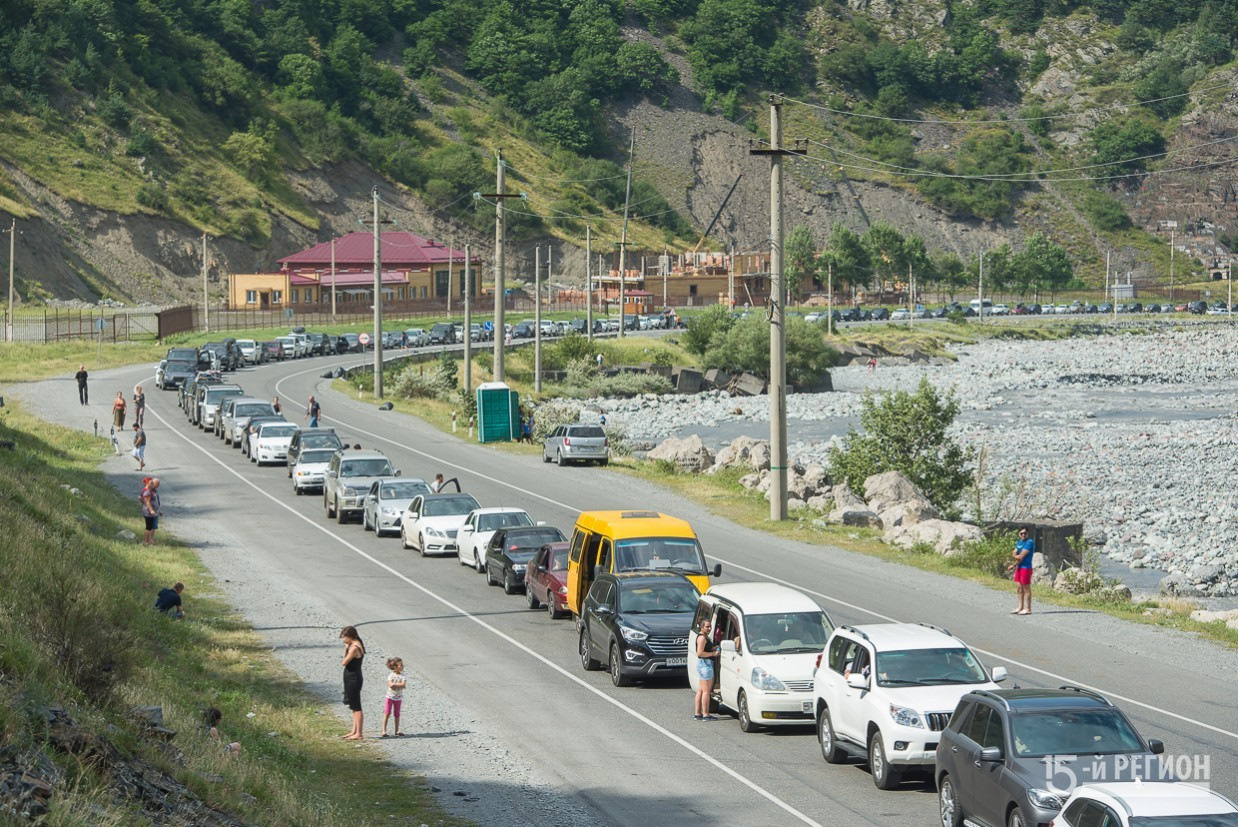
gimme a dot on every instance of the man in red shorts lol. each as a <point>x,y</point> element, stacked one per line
<point>1024,549</point>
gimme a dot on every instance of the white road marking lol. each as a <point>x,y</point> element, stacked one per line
<point>697,751</point>
<point>823,596</point>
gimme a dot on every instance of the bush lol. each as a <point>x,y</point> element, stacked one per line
<point>704,326</point>
<point>990,555</point>
<point>584,382</point>
<point>550,415</point>
<point>422,381</point>
<point>744,346</point>
<point>907,432</point>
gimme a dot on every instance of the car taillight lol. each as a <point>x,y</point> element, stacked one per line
<point>606,442</point>
<point>567,441</point>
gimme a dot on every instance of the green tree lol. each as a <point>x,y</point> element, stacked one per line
<point>251,152</point>
<point>1105,211</point>
<point>887,252</point>
<point>847,259</point>
<point>1160,86</point>
<point>744,346</point>
<point>1041,265</point>
<point>909,433</point>
<point>703,327</point>
<point>1125,145</point>
<point>642,67</point>
<point>800,259</point>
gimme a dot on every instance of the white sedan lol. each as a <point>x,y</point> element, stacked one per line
<point>271,443</point>
<point>310,469</point>
<point>434,519</point>
<point>480,526</point>
<point>387,501</point>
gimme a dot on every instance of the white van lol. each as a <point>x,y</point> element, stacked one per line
<point>769,637</point>
<point>975,305</point>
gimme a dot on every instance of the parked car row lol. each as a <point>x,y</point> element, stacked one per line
<point>973,309</point>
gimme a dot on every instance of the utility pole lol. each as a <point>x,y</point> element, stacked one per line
<point>550,269</point>
<point>777,333</point>
<point>378,303</point>
<point>500,288</point>
<point>981,288</point>
<point>829,298</point>
<point>623,241</point>
<point>451,260</point>
<point>1107,254</point>
<point>206,302</point>
<point>333,278</point>
<point>589,281</point>
<point>9,334</point>
<point>911,298</point>
<point>537,320</point>
<point>468,324</point>
<point>1171,266</point>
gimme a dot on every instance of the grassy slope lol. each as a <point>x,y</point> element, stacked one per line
<point>76,631</point>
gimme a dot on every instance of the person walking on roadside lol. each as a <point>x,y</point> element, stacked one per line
<point>83,393</point>
<point>151,511</point>
<point>139,445</point>
<point>706,654</point>
<point>354,654</point>
<point>118,411</point>
<point>312,412</point>
<point>1024,550</point>
<point>139,405</point>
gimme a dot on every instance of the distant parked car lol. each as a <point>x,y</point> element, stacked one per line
<point>881,314</point>
<point>1000,310</point>
<point>1197,307</point>
<point>274,351</point>
<point>270,443</point>
<point>352,343</point>
<point>576,443</point>
<point>898,315</point>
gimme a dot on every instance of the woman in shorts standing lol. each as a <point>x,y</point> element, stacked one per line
<point>706,654</point>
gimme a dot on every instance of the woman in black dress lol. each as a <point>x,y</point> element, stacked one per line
<point>354,653</point>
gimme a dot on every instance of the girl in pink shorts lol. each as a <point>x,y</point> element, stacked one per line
<point>395,694</point>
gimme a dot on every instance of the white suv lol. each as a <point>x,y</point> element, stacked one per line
<point>769,637</point>
<point>1127,803</point>
<point>885,691</point>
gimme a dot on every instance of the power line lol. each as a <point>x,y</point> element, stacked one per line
<point>1098,109</point>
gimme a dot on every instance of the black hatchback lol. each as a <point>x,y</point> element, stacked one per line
<point>638,623</point>
<point>511,549</point>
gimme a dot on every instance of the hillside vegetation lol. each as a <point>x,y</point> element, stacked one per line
<point>203,111</point>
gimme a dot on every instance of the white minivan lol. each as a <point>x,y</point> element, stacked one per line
<point>769,637</point>
<point>975,305</point>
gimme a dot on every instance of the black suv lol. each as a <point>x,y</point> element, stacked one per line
<point>509,551</point>
<point>639,622</point>
<point>1011,757</point>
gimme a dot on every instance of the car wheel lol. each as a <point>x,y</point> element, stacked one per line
<point>586,657</point>
<point>825,734</point>
<point>884,776</point>
<point>530,599</point>
<point>745,719</point>
<point>326,504</point>
<point>421,545</point>
<point>616,667</point>
<point>604,463</point>
<point>550,607</point>
<point>561,460</point>
<point>404,539</point>
<point>1015,819</point>
<point>477,563</point>
<point>948,803</point>
<point>339,515</point>
<point>509,585</point>
<point>365,521</point>
<point>490,581</point>
<point>544,457</point>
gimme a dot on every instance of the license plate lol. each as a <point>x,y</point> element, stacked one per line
<point>676,661</point>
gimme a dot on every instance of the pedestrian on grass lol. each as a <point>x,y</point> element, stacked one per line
<point>599,361</point>
<point>396,682</point>
<point>1024,550</point>
<point>139,405</point>
<point>212,719</point>
<point>706,654</point>
<point>118,411</point>
<point>169,601</point>
<point>354,653</point>
<point>312,412</point>
<point>139,446</point>
<point>83,394</point>
<point>151,511</point>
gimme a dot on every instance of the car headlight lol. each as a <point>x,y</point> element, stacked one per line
<point>631,634</point>
<point>517,567</point>
<point>434,532</point>
<point>390,512</point>
<point>1044,799</point>
<point>906,716</point>
<point>764,680</point>
<point>563,591</point>
<point>356,492</point>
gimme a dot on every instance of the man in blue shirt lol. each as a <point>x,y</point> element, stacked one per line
<point>1023,552</point>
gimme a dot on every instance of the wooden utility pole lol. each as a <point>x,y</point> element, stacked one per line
<point>206,301</point>
<point>537,320</point>
<point>451,260</point>
<point>9,329</point>
<point>829,298</point>
<point>623,242</point>
<point>333,278</point>
<point>378,303</point>
<point>468,325</point>
<point>589,281</point>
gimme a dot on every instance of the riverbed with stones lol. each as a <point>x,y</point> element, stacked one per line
<point>1134,432</point>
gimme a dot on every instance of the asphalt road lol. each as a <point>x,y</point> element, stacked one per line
<point>634,755</point>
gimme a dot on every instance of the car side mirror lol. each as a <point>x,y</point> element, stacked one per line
<point>992,755</point>
<point>398,472</point>
<point>331,474</point>
<point>466,529</point>
<point>726,646</point>
<point>541,568</point>
<point>413,515</point>
<point>716,571</point>
<point>605,610</point>
<point>1000,674</point>
<point>857,680</point>
<point>1156,745</point>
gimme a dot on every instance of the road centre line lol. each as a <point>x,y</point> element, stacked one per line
<point>649,722</point>
<point>763,575</point>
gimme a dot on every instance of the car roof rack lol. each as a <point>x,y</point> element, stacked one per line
<point>992,696</point>
<point>935,628</point>
<point>856,631</point>
<point>1083,691</point>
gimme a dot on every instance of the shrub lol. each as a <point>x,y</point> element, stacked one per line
<point>704,326</point>
<point>422,381</point>
<point>744,346</point>
<point>550,415</point>
<point>907,432</point>
<point>990,555</point>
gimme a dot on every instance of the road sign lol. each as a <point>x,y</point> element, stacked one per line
<point>488,325</point>
<point>100,324</point>
<point>364,339</point>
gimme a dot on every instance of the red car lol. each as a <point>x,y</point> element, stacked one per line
<point>545,581</point>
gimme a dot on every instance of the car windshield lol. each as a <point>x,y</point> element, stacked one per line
<point>677,553</point>
<point>1218,820</point>
<point>1073,732</point>
<point>928,667</point>
<point>279,431</point>
<point>660,598</point>
<point>320,440</point>
<point>589,432</point>
<point>402,490</point>
<point>509,519</point>
<point>449,506</point>
<point>253,409</point>
<point>786,633</point>
<point>179,365</point>
<point>316,456</point>
<point>365,468</point>
<point>533,539</point>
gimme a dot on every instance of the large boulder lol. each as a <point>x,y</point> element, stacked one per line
<point>844,497</point>
<point>798,486</point>
<point>856,517</point>
<point>884,491</point>
<point>908,513</point>
<point>744,451</point>
<point>944,536</point>
<point>748,384</point>
<point>688,454</point>
<point>817,477</point>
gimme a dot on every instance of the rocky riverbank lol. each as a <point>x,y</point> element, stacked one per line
<point>1134,432</point>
